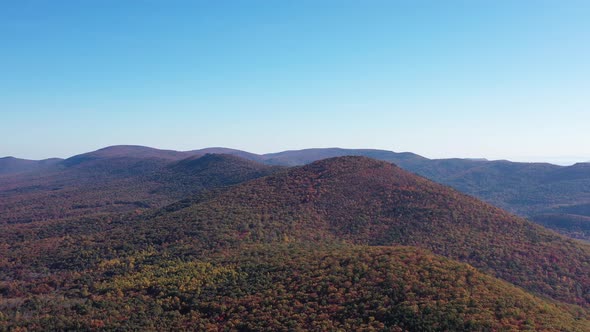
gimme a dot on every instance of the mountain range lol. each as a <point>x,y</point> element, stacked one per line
<point>555,196</point>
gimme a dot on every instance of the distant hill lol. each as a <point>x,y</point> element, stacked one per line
<point>11,165</point>
<point>134,151</point>
<point>574,225</point>
<point>531,190</point>
<point>239,153</point>
<point>302,157</point>
<point>120,179</point>
<point>144,152</point>
<point>124,152</point>
<point>203,172</point>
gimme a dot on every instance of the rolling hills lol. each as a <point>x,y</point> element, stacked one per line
<point>117,180</point>
<point>341,243</point>
<point>554,196</point>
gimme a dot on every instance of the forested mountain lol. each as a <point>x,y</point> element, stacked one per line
<point>364,201</point>
<point>11,165</point>
<point>554,196</point>
<point>534,190</point>
<point>302,157</point>
<point>239,153</point>
<point>127,152</point>
<point>538,191</point>
<point>283,287</point>
<point>317,247</point>
<point>144,152</point>
<point>117,180</point>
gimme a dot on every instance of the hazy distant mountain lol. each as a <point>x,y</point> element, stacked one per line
<point>574,225</point>
<point>110,180</point>
<point>202,172</point>
<point>302,157</point>
<point>11,165</point>
<point>528,189</point>
<point>239,153</point>
<point>127,152</point>
<point>143,152</point>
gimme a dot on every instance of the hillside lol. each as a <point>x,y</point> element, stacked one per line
<point>203,172</point>
<point>363,201</point>
<point>284,287</point>
<point>110,181</point>
<point>531,190</point>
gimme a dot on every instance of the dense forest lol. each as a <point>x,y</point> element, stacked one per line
<point>283,287</point>
<point>88,185</point>
<point>217,242</point>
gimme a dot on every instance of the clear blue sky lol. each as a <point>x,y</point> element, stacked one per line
<point>496,79</point>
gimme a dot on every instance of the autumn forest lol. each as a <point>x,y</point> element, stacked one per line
<point>133,238</point>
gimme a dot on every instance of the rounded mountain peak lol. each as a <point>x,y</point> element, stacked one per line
<point>214,161</point>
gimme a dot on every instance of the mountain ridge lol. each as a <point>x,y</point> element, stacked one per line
<point>532,190</point>
<point>117,184</point>
<point>11,165</point>
<point>134,150</point>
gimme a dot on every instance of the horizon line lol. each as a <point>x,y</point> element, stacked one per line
<point>554,160</point>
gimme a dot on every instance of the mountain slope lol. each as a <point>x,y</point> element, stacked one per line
<point>287,287</point>
<point>203,172</point>
<point>363,201</point>
<point>111,181</point>
<point>532,190</point>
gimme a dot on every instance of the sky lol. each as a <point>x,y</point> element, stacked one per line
<point>494,79</point>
